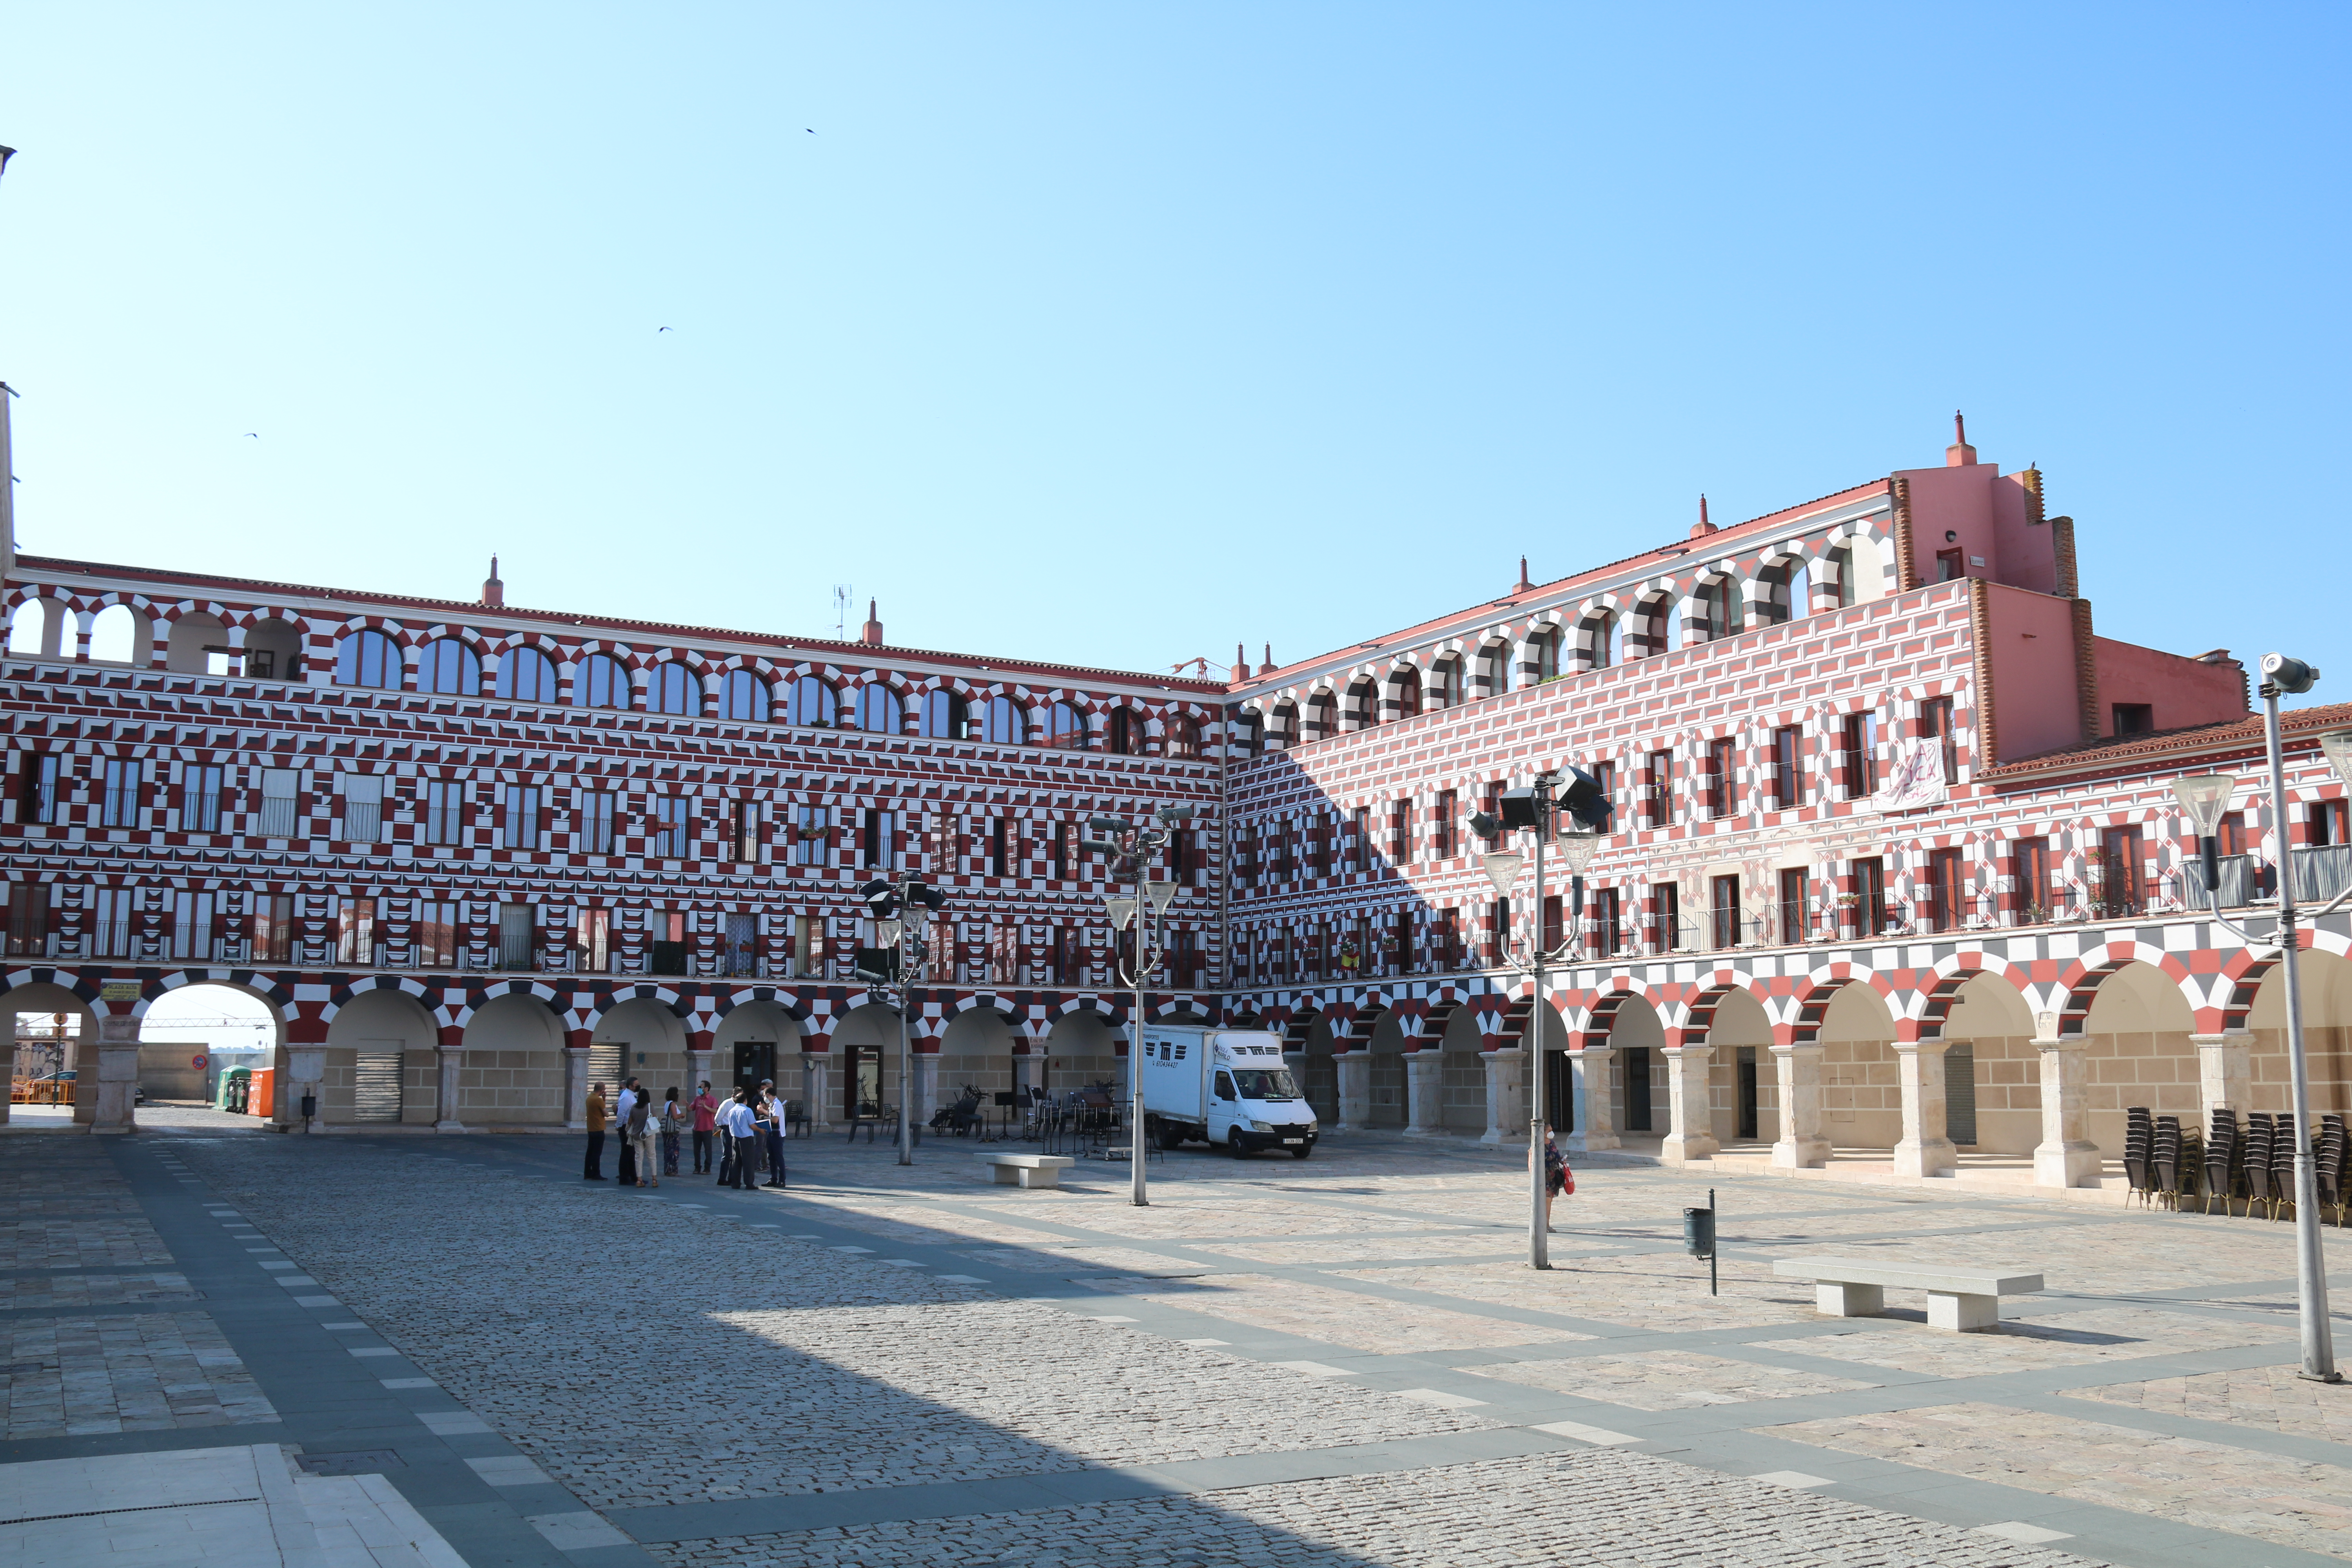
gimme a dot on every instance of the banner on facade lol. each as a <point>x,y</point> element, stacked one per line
<point>1915,777</point>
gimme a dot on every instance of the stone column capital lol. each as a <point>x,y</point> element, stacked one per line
<point>1799,1048</point>
<point>2226,1037</point>
<point>1925,1048</point>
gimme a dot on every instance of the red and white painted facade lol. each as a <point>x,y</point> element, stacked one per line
<point>1872,805</point>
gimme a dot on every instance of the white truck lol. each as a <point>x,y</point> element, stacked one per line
<point>1224,1086</point>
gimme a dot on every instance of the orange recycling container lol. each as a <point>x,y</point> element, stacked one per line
<point>265,1093</point>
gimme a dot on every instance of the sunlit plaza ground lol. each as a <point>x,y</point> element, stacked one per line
<point>454,1350</point>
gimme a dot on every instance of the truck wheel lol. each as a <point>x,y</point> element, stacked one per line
<point>1170,1137</point>
<point>1302,1153</point>
<point>1234,1142</point>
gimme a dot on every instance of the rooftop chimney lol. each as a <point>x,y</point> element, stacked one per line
<point>1702,528</point>
<point>1241,664</point>
<point>494,592</point>
<point>1959,454</point>
<point>1522,585</point>
<point>1268,667</point>
<point>872,635</point>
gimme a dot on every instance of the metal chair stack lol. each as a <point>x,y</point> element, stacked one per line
<point>2139,1150</point>
<point>2283,1150</point>
<point>2173,1161</point>
<point>2331,1161</point>
<point>2256,1166</point>
<point>2225,1153</point>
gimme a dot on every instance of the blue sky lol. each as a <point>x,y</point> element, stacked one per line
<point>1116,334</point>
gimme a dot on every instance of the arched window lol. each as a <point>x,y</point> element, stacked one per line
<point>1066,727</point>
<point>1800,592</point>
<point>1492,671</point>
<point>1840,565</point>
<point>1126,733</point>
<point>1671,613</point>
<point>1322,715</point>
<point>878,709</point>
<point>813,702</point>
<point>1180,737</point>
<point>1445,681</point>
<point>744,695</point>
<point>527,675</point>
<point>1408,693</point>
<point>1542,662</point>
<point>113,636</point>
<point>368,658</point>
<point>673,689</point>
<point>1249,733</point>
<point>944,716</point>
<point>25,627</point>
<point>1601,634</point>
<point>1285,731</point>
<point>1714,616</point>
<point>1005,722</point>
<point>600,681</point>
<point>450,667</point>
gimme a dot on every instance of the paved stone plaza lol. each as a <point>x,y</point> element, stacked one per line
<point>1339,1361</point>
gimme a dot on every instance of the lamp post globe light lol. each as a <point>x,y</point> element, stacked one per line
<point>1585,806</point>
<point>1129,847</point>
<point>2204,797</point>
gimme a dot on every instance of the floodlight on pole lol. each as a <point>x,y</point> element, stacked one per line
<point>1503,869</point>
<point>1486,825</point>
<point>2281,674</point>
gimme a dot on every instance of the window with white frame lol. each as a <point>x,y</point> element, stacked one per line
<point>279,788</point>
<point>111,922</point>
<point>444,810</point>
<point>362,808</point>
<point>523,802</point>
<point>200,800</point>
<point>121,806</point>
<point>596,822</point>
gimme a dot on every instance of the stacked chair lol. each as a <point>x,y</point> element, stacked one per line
<point>2225,1154</point>
<point>2283,1163</point>
<point>2256,1166</point>
<point>2331,1165</point>
<point>2139,1151</point>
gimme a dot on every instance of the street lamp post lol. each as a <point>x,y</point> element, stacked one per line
<point>1587,805</point>
<point>899,908</point>
<point>2204,798</point>
<point>1130,847</point>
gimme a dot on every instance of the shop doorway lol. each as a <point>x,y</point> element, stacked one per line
<point>1744,1066</point>
<point>862,1082</point>
<point>755,1063</point>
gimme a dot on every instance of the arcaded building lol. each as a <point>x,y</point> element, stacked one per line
<point>1893,860</point>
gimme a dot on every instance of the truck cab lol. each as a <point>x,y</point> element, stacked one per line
<point>1227,1088</point>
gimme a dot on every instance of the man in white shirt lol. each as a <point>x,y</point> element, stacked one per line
<point>628,1175</point>
<point>744,1136</point>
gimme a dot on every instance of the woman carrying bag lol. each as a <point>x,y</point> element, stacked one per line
<point>1558,1178</point>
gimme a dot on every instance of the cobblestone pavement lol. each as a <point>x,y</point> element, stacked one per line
<point>1341,1361</point>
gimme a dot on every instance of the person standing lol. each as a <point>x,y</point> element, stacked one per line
<point>706,1122</point>
<point>595,1170</point>
<point>640,1128</point>
<point>1558,1177</point>
<point>739,1120</point>
<point>627,1175</point>
<point>672,1121</point>
<point>728,1155</point>
<point>774,1131</point>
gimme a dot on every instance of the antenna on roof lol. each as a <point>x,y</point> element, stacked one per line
<point>841,612</point>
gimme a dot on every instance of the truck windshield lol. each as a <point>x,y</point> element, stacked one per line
<point>1261,1084</point>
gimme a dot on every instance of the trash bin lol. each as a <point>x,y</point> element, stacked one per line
<point>1699,1231</point>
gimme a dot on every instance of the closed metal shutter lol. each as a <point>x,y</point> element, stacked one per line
<point>1960,1094</point>
<point>604,1059</point>
<point>375,1086</point>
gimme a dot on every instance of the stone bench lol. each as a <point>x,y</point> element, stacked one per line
<point>1958,1300</point>
<point>1029,1170</point>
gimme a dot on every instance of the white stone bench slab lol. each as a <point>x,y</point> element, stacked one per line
<point>1028,1170</point>
<point>1958,1300</point>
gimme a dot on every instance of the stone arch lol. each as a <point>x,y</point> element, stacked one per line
<point>1322,715</point>
<point>1282,729</point>
<point>512,1072</point>
<point>1931,1005</point>
<point>2325,979</point>
<point>378,1022</point>
<point>1488,668</point>
<point>37,625</point>
<point>1360,705</point>
<point>1656,627</point>
<point>1401,694</point>
<point>1542,655</point>
<point>274,649</point>
<point>193,632</point>
<point>1987,1022</point>
<point>1861,1094</point>
<point>1446,687</point>
<point>119,634</point>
